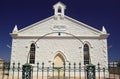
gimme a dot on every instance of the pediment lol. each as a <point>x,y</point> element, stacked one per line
<point>53,26</point>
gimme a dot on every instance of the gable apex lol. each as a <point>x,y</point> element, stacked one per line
<point>59,9</point>
<point>60,4</point>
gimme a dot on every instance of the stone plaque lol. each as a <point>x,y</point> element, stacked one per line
<point>59,28</point>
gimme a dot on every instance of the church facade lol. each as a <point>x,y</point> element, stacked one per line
<point>59,39</point>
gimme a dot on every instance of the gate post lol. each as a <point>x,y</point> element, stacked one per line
<point>91,71</point>
<point>26,71</point>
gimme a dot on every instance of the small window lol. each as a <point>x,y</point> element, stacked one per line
<point>59,10</point>
<point>32,54</point>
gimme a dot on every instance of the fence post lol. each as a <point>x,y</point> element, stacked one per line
<point>91,71</point>
<point>99,70</point>
<point>64,70</point>
<point>18,69</point>
<point>74,70</point>
<point>42,70</point>
<point>104,72</point>
<point>53,70</point>
<point>37,69</point>
<point>69,70</point>
<point>79,70</point>
<point>13,69</point>
<point>26,71</point>
<point>47,72</point>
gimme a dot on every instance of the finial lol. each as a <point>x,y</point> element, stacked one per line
<point>15,30</point>
<point>104,30</point>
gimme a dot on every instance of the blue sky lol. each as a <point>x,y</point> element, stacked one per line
<point>96,13</point>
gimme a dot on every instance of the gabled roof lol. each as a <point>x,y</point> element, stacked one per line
<point>59,4</point>
<point>61,16</point>
<point>78,22</point>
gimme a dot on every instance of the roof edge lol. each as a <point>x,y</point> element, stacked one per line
<point>74,20</point>
<point>29,26</point>
<point>87,26</point>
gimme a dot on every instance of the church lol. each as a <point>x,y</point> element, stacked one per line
<point>59,39</point>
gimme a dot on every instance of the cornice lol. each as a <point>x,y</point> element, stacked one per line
<point>60,37</point>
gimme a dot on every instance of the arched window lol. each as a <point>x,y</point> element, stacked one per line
<point>32,54</point>
<point>86,54</point>
<point>59,10</point>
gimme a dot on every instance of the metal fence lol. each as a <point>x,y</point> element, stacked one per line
<point>68,71</point>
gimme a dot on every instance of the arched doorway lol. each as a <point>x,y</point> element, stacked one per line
<point>59,61</point>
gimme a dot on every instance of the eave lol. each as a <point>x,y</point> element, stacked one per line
<point>103,36</point>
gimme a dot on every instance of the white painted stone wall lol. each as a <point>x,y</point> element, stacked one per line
<point>74,35</point>
<point>46,50</point>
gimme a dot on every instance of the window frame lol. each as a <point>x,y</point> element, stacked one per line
<point>86,50</point>
<point>32,54</point>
